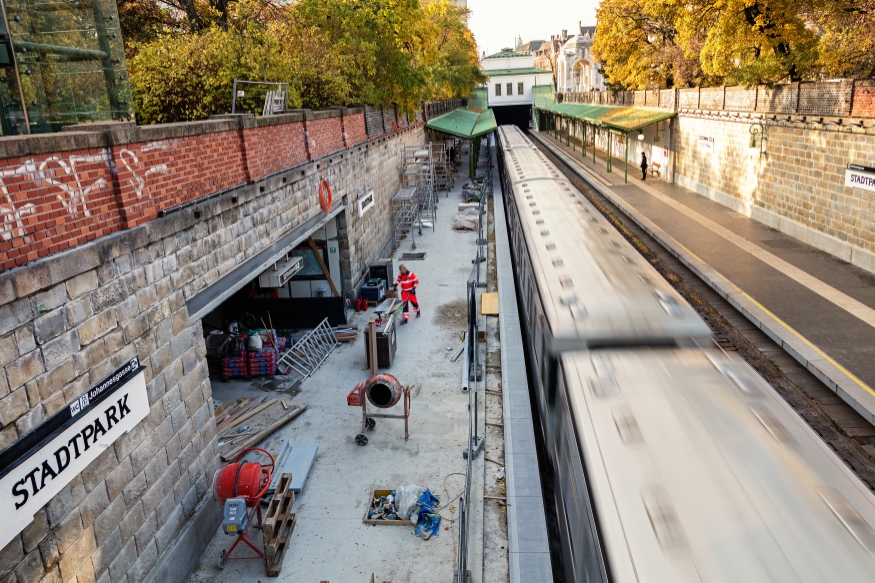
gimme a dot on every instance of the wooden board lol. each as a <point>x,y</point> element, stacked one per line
<point>266,432</point>
<point>489,304</point>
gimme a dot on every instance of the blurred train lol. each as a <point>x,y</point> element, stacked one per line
<point>673,462</point>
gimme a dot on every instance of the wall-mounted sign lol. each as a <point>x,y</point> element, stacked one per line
<point>860,177</point>
<point>365,201</point>
<point>706,144</point>
<point>38,466</point>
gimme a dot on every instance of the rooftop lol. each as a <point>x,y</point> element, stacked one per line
<point>519,71</point>
<point>505,54</point>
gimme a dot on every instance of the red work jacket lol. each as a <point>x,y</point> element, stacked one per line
<point>406,283</point>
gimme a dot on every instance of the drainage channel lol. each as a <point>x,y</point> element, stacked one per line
<point>842,428</point>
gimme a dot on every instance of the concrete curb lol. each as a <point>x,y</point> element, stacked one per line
<point>528,544</point>
<point>851,389</point>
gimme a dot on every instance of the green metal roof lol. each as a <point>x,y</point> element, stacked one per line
<point>506,54</point>
<point>623,118</point>
<point>521,71</point>
<point>464,123</point>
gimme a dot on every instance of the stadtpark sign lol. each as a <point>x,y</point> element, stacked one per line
<point>860,177</point>
<point>38,466</point>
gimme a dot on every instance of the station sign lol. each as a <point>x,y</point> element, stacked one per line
<point>860,177</point>
<point>39,465</point>
<point>365,202</point>
<point>706,144</point>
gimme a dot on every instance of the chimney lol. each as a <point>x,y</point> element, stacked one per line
<point>564,34</point>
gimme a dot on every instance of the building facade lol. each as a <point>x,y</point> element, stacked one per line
<point>511,77</point>
<point>577,70</point>
<point>569,57</point>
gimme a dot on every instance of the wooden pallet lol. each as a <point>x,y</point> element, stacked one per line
<point>275,549</point>
<point>280,505</point>
<point>278,525</point>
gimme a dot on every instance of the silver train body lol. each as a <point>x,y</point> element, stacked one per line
<point>673,462</point>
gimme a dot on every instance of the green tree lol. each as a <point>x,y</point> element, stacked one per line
<point>190,77</point>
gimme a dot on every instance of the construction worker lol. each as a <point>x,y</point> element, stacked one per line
<point>407,284</point>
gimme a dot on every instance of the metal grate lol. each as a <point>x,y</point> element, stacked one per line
<point>412,256</point>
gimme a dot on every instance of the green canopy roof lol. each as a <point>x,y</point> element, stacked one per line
<point>623,118</point>
<point>520,71</point>
<point>464,123</point>
<point>505,54</point>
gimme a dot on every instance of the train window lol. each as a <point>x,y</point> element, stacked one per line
<point>566,283</point>
<point>545,233</point>
<point>644,279</point>
<point>536,212</point>
<point>539,222</point>
<point>593,219</point>
<point>558,262</point>
<point>551,246</point>
<point>602,230</point>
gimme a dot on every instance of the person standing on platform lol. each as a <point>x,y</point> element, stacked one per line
<point>407,284</point>
<point>643,166</point>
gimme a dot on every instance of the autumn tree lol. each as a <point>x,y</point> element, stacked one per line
<point>674,43</point>
<point>332,52</point>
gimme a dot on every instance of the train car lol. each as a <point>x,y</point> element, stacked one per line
<point>624,376</point>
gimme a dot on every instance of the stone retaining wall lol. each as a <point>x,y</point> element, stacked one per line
<point>69,318</point>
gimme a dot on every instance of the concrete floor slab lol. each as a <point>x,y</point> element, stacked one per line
<point>330,542</point>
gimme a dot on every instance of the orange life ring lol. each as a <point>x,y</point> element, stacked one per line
<point>325,200</point>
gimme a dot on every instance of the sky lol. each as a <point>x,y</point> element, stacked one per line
<point>496,23</point>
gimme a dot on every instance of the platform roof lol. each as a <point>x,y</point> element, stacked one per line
<point>464,123</point>
<point>623,118</point>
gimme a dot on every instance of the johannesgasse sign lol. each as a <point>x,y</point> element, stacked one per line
<point>38,466</point>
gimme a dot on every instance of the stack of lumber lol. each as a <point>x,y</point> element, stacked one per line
<point>346,333</point>
<point>278,525</point>
<point>251,439</point>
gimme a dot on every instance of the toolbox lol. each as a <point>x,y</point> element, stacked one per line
<point>374,290</point>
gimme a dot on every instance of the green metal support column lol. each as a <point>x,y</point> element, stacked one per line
<point>583,140</point>
<point>593,143</point>
<point>626,160</point>
<point>573,145</point>
<point>610,151</point>
<point>568,131</point>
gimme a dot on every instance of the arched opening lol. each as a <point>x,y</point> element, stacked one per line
<point>582,75</point>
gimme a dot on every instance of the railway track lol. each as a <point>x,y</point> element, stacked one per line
<point>845,431</point>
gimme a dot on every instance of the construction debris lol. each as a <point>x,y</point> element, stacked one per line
<point>264,433</point>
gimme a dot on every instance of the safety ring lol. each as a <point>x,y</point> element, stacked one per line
<point>325,197</point>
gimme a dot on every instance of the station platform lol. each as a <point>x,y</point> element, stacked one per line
<point>330,541</point>
<point>820,309</point>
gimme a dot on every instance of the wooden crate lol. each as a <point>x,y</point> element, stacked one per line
<point>379,494</point>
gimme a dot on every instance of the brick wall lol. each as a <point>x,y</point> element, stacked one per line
<point>374,122</point>
<point>62,190</point>
<point>864,99</point>
<point>801,177</point>
<point>68,319</point>
<point>276,147</point>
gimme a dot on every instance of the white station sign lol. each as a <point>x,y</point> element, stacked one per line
<point>38,466</point>
<point>860,177</point>
<point>706,144</point>
<point>365,202</point>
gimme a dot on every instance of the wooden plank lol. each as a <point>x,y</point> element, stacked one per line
<point>322,265</point>
<point>489,304</point>
<point>241,403</point>
<point>246,415</point>
<point>227,422</point>
<point>259,437</point>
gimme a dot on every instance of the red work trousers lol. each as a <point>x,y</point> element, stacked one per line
<point>409,298</point>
